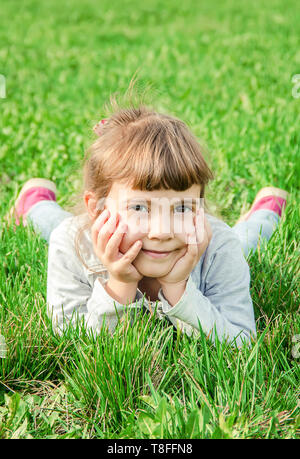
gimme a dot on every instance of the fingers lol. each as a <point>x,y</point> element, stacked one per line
<point>203,227</point>
<point>112,247</point>
<point>103,229</point>
<point>192,244</point>
<point>202,234</point>
<point>107,234</point>
<point>131,254</point>
<point>106,231</point>
<point>97,225</point>
<point>200,225</point>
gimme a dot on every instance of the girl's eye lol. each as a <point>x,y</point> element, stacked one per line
<point>134,207</point>
<point>184,207</point>
<point>137,207</point>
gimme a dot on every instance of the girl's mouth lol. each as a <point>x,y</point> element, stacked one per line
<point>156,254</point>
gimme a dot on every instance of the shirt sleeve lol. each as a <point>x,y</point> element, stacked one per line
<point>71,298</point>
<point>226,306</point>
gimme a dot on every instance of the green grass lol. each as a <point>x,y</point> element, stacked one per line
<point>225,68</point>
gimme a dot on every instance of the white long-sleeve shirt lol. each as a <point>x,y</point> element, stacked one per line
<point>217,293</point>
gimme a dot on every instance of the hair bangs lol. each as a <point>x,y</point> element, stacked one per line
<point>153,156</point>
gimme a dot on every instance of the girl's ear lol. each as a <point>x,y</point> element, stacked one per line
<point>91,204</point>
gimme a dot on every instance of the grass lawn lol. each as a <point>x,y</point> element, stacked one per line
<point>226,69</point>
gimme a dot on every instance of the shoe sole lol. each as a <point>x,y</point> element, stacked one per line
<point>266,191</point>
<point>34,182</point>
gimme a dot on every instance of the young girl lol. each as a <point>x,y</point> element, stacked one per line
<point>116,252</point>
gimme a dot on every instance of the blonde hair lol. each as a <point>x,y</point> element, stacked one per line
<point>145,149</point>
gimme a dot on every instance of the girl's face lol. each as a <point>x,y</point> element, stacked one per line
<point>161,219</point>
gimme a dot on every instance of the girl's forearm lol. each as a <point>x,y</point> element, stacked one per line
<point>121,291</point>
<point>173,292</point>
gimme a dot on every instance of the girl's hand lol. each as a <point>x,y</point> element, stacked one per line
<point>198,241</point>
<point>107,237</point>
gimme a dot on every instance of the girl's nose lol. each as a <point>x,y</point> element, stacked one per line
<point>160,229</point>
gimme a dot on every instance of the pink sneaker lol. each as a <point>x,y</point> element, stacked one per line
<point>270,198</point>
<point>33,191</point>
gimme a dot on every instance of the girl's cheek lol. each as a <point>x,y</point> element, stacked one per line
<point>182,229</point>
<point>183,226</point>
<point>184,238</point>
<point>137,227</point>
<point>131,235</point>
<point>135,222</point>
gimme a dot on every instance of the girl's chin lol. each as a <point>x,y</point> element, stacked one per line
<point>151,274</point>
<point>152,271</point>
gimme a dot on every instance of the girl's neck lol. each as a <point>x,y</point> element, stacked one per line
<point>150,286</point>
